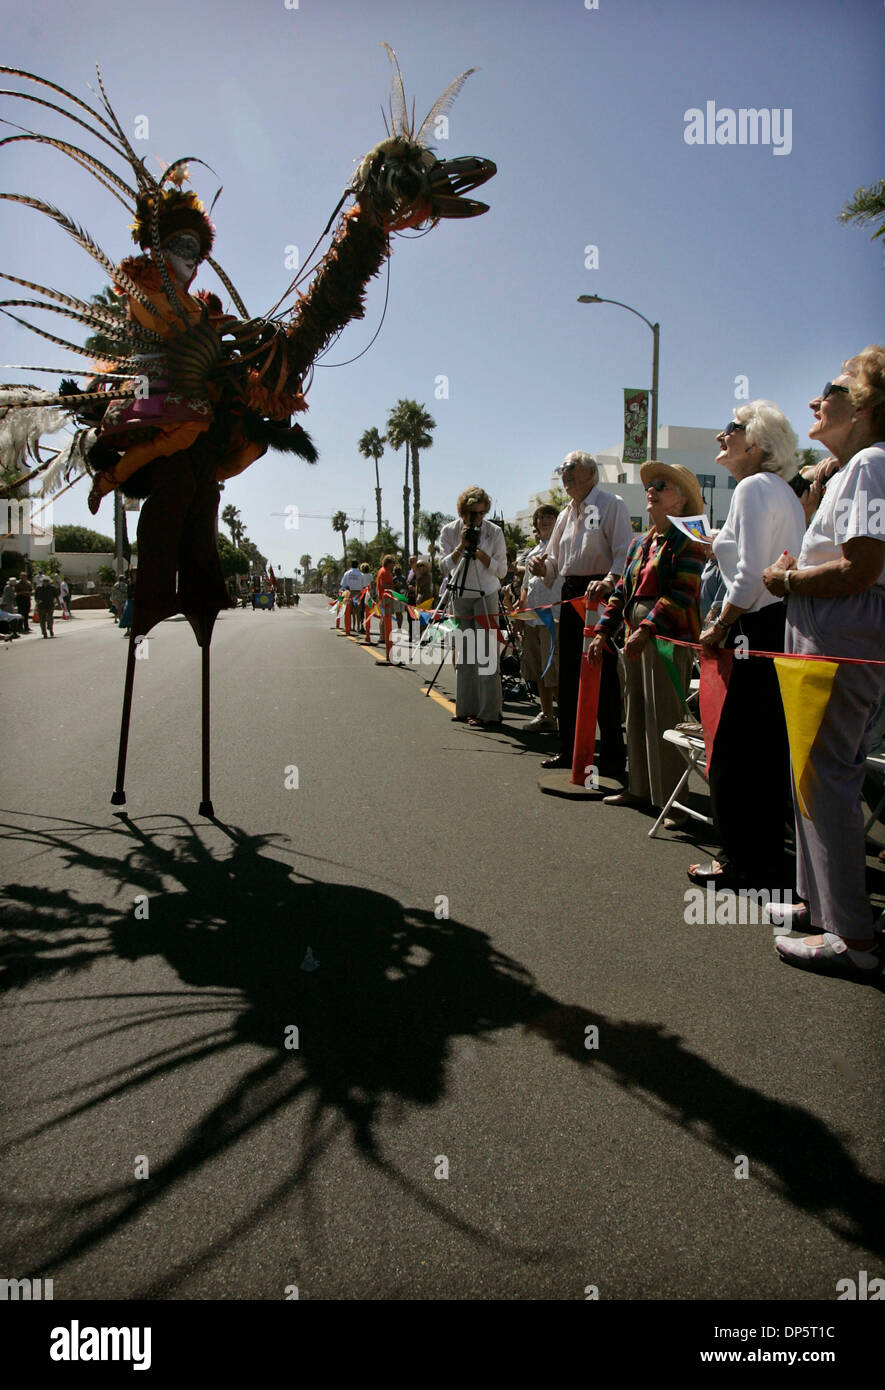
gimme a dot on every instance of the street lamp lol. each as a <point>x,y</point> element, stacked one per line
<point>656,334</point>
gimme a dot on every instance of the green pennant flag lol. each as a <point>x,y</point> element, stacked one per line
<point>402,597</point>
<point>665,651</point>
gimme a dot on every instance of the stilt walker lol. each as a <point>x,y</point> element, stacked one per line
<point>185,395</point>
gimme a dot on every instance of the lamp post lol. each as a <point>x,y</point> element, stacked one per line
<point>656,335</point>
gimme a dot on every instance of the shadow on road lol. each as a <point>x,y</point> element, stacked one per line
<point>376,1023</point>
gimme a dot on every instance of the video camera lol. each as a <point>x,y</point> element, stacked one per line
<point>471,539</point>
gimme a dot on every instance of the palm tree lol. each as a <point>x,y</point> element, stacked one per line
<point>233,521</point>
<point>327,571</point>
<point>340,523</point>
<point>430,524</point>
<point>304,566</point>
<point>410,423</point>
<point>868,203</point>
<point>371,446</point>
<point>397,436</point>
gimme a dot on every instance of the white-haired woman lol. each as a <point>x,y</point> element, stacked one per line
<point>836,607</point>
<point>750,763</point>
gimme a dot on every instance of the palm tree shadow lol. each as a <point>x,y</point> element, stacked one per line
<point>375,1026</point>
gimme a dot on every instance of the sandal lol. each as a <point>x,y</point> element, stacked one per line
<point>722,877</point>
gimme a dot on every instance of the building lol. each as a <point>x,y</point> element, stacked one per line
<point>694,448</point>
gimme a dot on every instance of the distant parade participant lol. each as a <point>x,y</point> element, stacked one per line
<point>45,599</point>
<point>23,592</point>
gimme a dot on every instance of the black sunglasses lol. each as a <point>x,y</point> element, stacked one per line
<point>830,387</point>
<point>731,427</point>
<point>658,485</point>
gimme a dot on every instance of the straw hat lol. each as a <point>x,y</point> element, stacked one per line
<point>683,478</point>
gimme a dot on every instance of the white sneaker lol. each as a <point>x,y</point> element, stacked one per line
<point>541,721</point>
<point>793,916</point>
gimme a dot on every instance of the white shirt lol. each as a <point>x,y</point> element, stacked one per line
<point>478,577</point>
<point>853,505</point>
<point>590,537</point>
<point>355,580</point>
<point>537,592</point>
<point>764,520</point>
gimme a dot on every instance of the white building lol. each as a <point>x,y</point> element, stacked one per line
<point>694,448</point>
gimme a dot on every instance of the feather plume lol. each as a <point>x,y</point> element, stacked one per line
<point>399,117</point>
<point>142,177</point>
<point>72,347</point>
<point>87,160</point>
<point>26,413</point>
<point>110,327</point>
<point>95,310</point>
<point>68,464</point>
<point>62,91</point>
<point>238,303</point>
<point>160,263</point>
<point>442,105</point>
<point>83,239</point>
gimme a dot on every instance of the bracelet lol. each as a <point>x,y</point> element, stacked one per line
<point>787,581</point>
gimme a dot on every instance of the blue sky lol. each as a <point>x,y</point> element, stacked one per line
<point>736,250</point>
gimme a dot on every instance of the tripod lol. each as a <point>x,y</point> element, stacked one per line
<point>456,588</point>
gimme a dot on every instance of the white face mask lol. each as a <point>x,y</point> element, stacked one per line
<point>182,254</point>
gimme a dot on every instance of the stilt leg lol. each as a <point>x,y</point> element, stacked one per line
<point>206,808</point>
<point>119,795</point>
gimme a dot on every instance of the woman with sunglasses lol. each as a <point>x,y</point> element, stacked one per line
<point>750,763</point>
<point>657,596</point>
<point>836,607</point>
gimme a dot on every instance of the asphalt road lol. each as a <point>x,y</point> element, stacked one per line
<point>449,1124</point>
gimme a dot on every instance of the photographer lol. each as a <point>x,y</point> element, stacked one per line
<point>479,698</point>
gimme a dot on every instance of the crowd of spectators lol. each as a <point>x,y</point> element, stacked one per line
<point>798,567</point>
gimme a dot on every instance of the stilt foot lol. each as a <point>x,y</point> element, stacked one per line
<point>206,809</point>
<point>118,799</point>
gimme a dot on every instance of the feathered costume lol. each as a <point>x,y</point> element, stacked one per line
<point>188,395</point>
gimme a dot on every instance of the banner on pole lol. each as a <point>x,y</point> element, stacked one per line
<point>635,425</point>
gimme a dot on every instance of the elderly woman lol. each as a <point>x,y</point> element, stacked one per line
<point>836,607</point>
<point>750,762</point>
<point>657,596</point>
<point>476,585</point>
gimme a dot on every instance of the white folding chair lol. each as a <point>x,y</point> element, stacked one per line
<point>695,755</point>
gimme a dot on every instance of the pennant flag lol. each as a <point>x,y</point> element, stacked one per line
<point>579,604</point>
<point>546,617</point>
<point>402,597</point>
<point>715,675</point>
<point>584,756</point>
<point>805,692</point>
<point>665,652</point>
<point>427,603</point>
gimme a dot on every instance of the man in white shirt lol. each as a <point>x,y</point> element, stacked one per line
<point>587,549</point>
<point>353,582</point>
<point>479,698</point>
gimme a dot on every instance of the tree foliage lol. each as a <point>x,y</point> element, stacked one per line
<point>80,539</point>
<point>233,560</point>
<point>868,203</point>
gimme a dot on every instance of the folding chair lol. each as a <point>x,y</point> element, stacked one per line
<point>695,755</point>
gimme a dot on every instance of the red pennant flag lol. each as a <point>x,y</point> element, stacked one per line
<point>715,675</point>
<point>584,756</point>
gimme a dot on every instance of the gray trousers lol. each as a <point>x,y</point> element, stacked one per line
<point>830,848</point>
<point>653,766</point>
<point>478,689</point>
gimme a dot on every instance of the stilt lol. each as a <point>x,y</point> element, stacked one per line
<point>206,808</point>
<point>119,795</point>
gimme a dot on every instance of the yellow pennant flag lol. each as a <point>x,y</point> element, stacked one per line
<point>805,692</point>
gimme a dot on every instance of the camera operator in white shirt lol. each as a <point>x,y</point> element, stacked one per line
<point>479,698</point>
